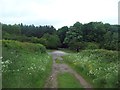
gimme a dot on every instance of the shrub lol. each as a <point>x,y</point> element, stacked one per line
<point>22,68</point>
<point>99,66</point>
<point>11,44</point>
<point>50,41</point>
<point>91,45</point>
<point>75,45</point>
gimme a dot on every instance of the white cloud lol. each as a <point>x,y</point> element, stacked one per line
<point>58,12</point>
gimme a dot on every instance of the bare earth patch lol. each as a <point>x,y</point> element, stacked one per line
<point>59,68</point>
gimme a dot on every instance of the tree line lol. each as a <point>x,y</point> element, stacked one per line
<point>80,36</point>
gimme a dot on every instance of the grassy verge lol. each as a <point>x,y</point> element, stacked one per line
<point>99,67</point>
<point>67,80</point>
<point>24,65</point>
<point>50,50</point>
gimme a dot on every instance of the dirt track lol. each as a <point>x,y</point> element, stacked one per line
<point>59,68</point>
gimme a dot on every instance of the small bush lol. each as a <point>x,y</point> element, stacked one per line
<point>90,45</point>
<point>50,41</point>
<point>73,45</point>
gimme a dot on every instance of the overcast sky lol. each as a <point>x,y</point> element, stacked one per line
<point>58,12</point>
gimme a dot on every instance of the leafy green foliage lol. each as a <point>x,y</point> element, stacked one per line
<point>93,32</point>
<point>74,33</point>
<point>50,41</point>
<point>62,34</point>
<point>10,44</point>
<point>73,45</point>
<point>36,31</point>
<point>11,29</point>
<point>24,66</point>
<point>27,30</point>
<point>100,67</point>
<point>111,41</point>
<point>105,35</point>
<point>91,45</point>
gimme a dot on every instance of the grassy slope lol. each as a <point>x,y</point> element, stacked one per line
<point>67,80</point>
<point>24,66</point>
<point>100,67</point>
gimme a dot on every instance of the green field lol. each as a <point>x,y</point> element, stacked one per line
<point>27,65</point>
<point>99,67</point>
<point>24,65</point>
<point>67,80</point>
<point>32,53</point>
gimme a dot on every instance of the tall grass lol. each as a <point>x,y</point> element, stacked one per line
<point>100,67</point>
<point>24,65</point>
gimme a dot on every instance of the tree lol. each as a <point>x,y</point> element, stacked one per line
<point>114,42</point>
<point>51,41</point>
<point>11,29</point>
<point>62,34</point>
<point>93,32</point>
<point>74,33</point>
<point>76,45</point>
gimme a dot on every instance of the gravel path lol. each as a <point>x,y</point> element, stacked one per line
<point>58,68</point>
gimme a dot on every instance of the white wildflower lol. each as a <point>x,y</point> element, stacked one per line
<point>42,69</point>
<point>2,62</point>
<point>1,57</point>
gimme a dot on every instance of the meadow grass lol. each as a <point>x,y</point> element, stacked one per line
<point>99,67</point>
<point>67,80</point>
<point>24,65</point>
